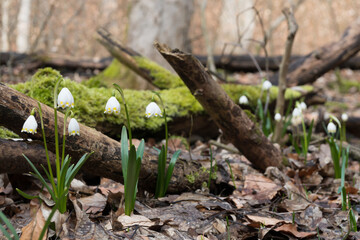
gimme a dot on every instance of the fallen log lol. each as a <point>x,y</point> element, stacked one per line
<point>309,68</point>
<point>229,117</point>
<point>15,107</point>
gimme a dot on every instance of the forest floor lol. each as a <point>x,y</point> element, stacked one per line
<point>301,200</point>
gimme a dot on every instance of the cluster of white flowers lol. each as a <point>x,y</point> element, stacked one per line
<point>65,99</point>
<point>243,100</point>
<point>297,113</point>
<point>113,106</point>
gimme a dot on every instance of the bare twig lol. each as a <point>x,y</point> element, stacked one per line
<point>280,102</point>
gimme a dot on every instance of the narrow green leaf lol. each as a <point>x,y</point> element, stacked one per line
<point>170,169</point>
<point>77,167</point>
<point>38,175</point>
<point>9,225</point>
<point>140,150</point>
<point>131,182</point>
<point>25,195</point>
<point>124,152</point>
<point>161,173</point>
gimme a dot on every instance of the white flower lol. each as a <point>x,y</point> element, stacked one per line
<point>243,100</point>
<point>65,98</point>
<point>331,127</point>
<point>112,105</point>
<point>30,125</point>
<point>266,85</point>
<point>153,110</point>
<point>277,117</point>
<point>344,117</point>
<point>296,117</point>
<point>73,128</point>
<point>296,112</point>
<point>302,106</point>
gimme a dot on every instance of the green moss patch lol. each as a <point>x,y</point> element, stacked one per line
<point>6,133</point>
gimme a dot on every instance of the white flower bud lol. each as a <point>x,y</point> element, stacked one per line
<point>344,117</point>
<point>277,117</point>
<point>331,127</point>
<point>266,85</point>
<point>243,100</point>
<point>65,98</point>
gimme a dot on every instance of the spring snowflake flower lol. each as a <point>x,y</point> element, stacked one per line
<point>243,100</point>
<point>277,117</point>
<point>344,117</point>
<point>112,106</point>
<point>73,128</point>
<point>153,110</point>
<point>266,85</point>
<point>302,106</point>
<point>331,127</point>
<point>65,98</point>
<point>30,125</point>
<point>296,117</point>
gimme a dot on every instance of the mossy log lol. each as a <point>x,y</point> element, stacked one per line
<point>228,116</point>
<point>15,107</point>
<point>179,102</point>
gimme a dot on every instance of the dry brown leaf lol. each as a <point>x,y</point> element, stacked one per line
<point>34,228</point>
<point>255,221</point>
<point>292,229</point>
<point>311,216</point>
<point>259,187</point>
<point>93,204</point>
<point>128,221</point>
<point>189,196</point>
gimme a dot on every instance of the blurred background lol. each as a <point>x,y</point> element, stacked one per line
<point>69,27</point>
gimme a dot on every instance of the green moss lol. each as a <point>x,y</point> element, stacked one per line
<point>164,79</point>
<point>6,133</point>
<point>114,73</point>
<point>254,92</point>
<point>192,177</point>
<point>90,101</point>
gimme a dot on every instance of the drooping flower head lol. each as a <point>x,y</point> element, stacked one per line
<point>302,106</point>
<point>296,116</point>
<point>112,106</point>
<point>277,117</point>
<point>243,100</point>
<point>266,85</point>
<point>344,117</point>
<point>65,98</point>
<point>153,110</point>
<point>331,127</point>
<point>30,125</point>
<point>73,128</point>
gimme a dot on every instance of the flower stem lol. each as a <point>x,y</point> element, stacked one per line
<point>117,87</point>
<point>305,147</point>
<point>64,136</point>
<point>57,161</point>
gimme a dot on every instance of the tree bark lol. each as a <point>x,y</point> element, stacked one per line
<point>228,116</point>
<point>23,26</point>
<point>309,68</point>
<point>15,107</point>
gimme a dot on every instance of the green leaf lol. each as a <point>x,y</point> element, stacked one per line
<point>131,181</point>
<point>170,169</point>
<point>76,169</point>
<point>124,153</point>
<point>140,150</point>
<point>38,175</point>
<point>4,219</point>
<point>161,173</point>
<point>25,195</point>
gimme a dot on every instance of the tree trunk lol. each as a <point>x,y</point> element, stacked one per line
<point>229,117</point>
<point>15,107</point>
<point>23,26</point>
<point>159,20</point>
<point>5,26</point>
